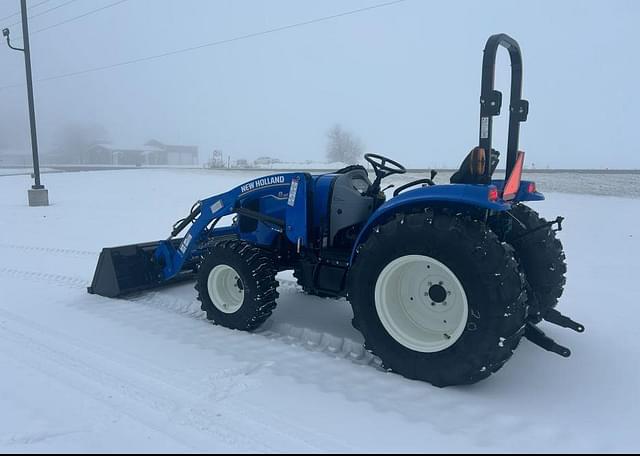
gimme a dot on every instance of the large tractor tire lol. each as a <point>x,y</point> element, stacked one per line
<point>541,257</point>
<point>237,285</point>
<point>438,298</point>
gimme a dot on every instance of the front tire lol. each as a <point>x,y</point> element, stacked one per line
<point>438,298</point>
<point>237,285</point>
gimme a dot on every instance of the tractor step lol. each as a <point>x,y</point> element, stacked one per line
<point>538,337</point>
<point>555,317</point>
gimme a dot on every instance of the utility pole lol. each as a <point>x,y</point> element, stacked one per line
<point>38,195</point>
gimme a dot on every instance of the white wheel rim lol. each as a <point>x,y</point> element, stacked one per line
<point>225,289</point>
<point>421,303</point>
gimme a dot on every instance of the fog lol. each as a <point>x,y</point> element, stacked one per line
<point>404,78</point>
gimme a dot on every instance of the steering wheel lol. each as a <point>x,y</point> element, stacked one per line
<point>382,170</point>
<point>379,164</point>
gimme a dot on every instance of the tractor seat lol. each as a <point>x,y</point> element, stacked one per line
<point>472,170</point>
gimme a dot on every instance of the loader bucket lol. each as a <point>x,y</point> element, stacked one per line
<point>130,268</point>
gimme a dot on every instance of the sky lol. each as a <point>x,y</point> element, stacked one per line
<point>405,78</point>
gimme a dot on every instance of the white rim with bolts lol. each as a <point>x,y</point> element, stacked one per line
<point>225,289</point>
<point>421,303</point>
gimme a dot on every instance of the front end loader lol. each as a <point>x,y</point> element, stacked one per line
<point>444,280</point>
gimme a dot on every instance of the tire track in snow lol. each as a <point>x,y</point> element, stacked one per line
<point>322,342</point>
<point>178,399</point>
<point>132,398</point>
<point>50,278</point>
<point>336,347</point>
<point>311,340</point>
<point>68,252</point>
<point>296,364</point>
<point>392,393</point>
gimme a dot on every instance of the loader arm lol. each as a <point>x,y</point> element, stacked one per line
<point>132,268</point>
<point>291,186</point>
<point>206,212</point>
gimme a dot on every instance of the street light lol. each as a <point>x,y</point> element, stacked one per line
<point>38,195</point>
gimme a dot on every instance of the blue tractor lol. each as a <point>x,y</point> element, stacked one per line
<point>444,280</point>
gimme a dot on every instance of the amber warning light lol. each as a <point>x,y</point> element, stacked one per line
<point>513,183</point>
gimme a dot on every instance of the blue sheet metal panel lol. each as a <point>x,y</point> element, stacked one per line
<point>321,199</point>
<point>262,236</point>
<point>470,195</point>
<point>273,206</point>
<point>296,218</point>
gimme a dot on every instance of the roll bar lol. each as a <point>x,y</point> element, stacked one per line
<point>491,99</point>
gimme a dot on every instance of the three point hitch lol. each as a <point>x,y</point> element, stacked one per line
<point>538,337</point>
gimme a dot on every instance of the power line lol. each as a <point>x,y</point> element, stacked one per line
<point>75,18</point>
<point>33,16</point>
<point>216,43</point>
<point>18,13</point>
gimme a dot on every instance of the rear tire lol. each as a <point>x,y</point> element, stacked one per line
<point>542,259</point>
<point>472,269</point>
<point>237,285</point>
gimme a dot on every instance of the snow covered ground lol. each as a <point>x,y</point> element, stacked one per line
<point>85,373</point>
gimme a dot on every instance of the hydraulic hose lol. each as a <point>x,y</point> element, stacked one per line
<point>183,223</point>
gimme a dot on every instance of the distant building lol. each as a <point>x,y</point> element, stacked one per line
<point>152,153</point>
<point>117,154</point>
<point>173,155</point>
<point>262,161</point>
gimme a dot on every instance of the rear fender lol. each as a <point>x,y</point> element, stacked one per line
<point>523,193</point>
<point>448,195</point>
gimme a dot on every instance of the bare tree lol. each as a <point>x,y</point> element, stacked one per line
<point>343,146</point>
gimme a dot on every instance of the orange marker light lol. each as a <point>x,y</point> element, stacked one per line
<point>513,184</point>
